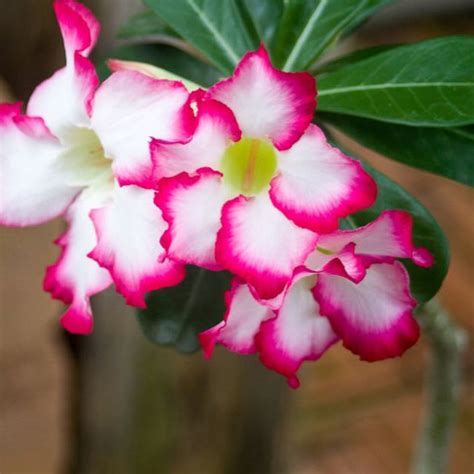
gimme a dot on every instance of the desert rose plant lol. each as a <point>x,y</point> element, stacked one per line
<point>202,179</point>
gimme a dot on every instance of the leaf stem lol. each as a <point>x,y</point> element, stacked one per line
<point>443,380</point>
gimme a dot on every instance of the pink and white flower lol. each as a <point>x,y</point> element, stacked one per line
<point>82,150</point>
<point>256,181</point>
<point>351,288</point>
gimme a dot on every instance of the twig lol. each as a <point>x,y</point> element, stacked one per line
<point>442,386</point>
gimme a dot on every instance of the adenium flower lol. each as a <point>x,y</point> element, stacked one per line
<point>82,151</point>
<point>256,181</point>
<point>351,288</point>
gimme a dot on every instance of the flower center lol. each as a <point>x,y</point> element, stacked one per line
<point>249,165</point>
<point>84,157</point>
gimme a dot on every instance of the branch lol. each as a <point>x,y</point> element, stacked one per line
<point>447,343</point>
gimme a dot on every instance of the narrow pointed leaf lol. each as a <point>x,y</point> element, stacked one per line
<point>351,58</point>
<point>214,27</point>
<point>175,316</point>
<point>309,27</point>
<point>265,15</point>
<point>448,152</point>
<point>146,23</point>
<point>430,83</point>
<point>425,282</point>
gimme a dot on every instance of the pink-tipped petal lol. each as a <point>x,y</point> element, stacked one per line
<point>260,245</point>
<point>33,185</point>
<point>128,233</point>
<point>191,205</point>
<point>297,333</point>
<point>79,28</point>
<point>422,257</point>
<point>346,264</point>
<point>241,322</point>
<point>129,109</point>
<point>317,185</point>
<point>78,318</point>
<point>75,277</point>
<point>386,238</point>
<point>64,100</point>
<point>374,317</point>
<point>267,102</point>
<point>215,130</point>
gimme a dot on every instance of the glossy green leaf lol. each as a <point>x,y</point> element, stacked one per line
<point>214,27</point>
<point>309,27</point>
<point>175,316</point>
<point>169,58</point>
<point>430,83</point>
<point>448,152</point>
<point>265,15</point>
<point>351,58</point>
<point>425,282</point>
<point>146,23</point>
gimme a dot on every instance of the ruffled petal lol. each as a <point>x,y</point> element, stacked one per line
<point>191,205</point>
<point>374,317</point>
<point>215,130</point>
<point>316,184</point>
<point>64,100</point>
<point>128,231</point>
<point>267,102</point>
<point>130,108</point>
<point>241,322</point>
<point>259,244</point>
<point>297,333</point>
<point>345,263</point>
<point>75,277</point>
<point>390,235</point>
<point>33,183</point>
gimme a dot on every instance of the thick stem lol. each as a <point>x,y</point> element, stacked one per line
<point>442,386</point>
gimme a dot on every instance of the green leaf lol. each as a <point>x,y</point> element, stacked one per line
<point>265,15</point>
<point>169,58</point>
<point>424,84</point>
<point>448,152</point>
<point>215,27</point>
<point>309,27</point>
<point>351,58</point>
<point>144,24</point>
<point>175,316</point>
<point>425,282</point>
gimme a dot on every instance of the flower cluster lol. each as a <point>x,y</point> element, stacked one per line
<point>152,176</point>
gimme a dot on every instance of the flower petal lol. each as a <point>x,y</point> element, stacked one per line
<point>345,263</point>
<point>374,317</point>
<point>267,102</point>
<point>317,184</point>
<point>33,183</point>
<point>259,244</point>
<point>130,108</point>
<point>390,235</point>
<point>297,333</point>
<point>75,277</point>
<point>128,232</point>
<point>215,128</point>
<point>79,28</point>
<point>191,205</point>
<point>241,322</point>
<point>64,100</point>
